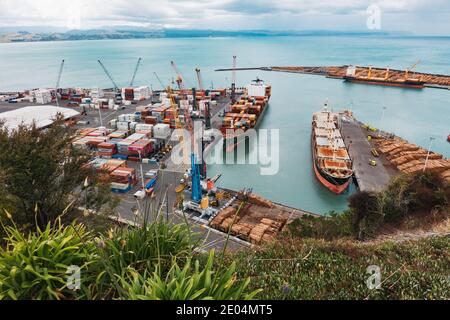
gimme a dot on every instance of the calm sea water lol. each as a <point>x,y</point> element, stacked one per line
<point>414,115</point>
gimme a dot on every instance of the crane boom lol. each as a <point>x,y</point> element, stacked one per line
<point>233,81</point>
<point>135,71</point>
<point>233,75</point>
<point>411,68</point>
<point>108,75</point>
<point>58,81</point>
<point>199,79</point>
<point>179,79</point>
<point>159,80</point>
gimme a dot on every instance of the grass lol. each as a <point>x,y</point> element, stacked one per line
<point>155,261</point>
<point>318,269</point>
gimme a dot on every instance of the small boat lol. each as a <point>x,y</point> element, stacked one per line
<point>448,138</point>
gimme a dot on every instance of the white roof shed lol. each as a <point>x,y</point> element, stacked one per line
<point>43,116</point>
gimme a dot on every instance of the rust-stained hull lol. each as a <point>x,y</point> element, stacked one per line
<point>335,188</point>
<point>403,84</point>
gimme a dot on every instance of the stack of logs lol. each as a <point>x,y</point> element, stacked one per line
<point>265,230</point>
<point>410,158</point>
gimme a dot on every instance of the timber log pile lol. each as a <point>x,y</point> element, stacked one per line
<point>258,221</point>
<point>410,158</point>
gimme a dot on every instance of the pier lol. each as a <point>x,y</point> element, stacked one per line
<point>438,81</point>
<point>368,177</point>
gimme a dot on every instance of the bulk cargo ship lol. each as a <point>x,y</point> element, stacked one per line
<point>331,161</point>
<point>246,113</point>
<point>405,82</point>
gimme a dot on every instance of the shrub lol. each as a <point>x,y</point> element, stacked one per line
<point>187,283</point>
<point>367,216</point>
<point>143,248</point>
<point>40,171</point>
<point>156,244</point>
<point>333,225</point>
<point>408,194</point>
<point>34,266</point>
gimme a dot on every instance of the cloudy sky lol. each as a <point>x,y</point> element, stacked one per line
<point>416,16</point>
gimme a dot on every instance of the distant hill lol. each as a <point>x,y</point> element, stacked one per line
<point>29,34</point>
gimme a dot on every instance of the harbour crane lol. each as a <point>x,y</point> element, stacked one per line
<point>135,71</point>
<point>159,80</point>
<point>199,79</point>
<point>411,68</point>
<point>109,76</point>
<point>233,81</point>
<point>58,81</point>
<point>196,194</point>
<point>179,80</point>
<point>118,96</point>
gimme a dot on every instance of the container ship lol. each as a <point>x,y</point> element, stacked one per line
<point>405,82</point>
<point>331,161</point>
<point>246,113</point>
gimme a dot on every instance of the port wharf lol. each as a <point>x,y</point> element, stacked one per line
<point>437,81</point>
<point>367,177</point>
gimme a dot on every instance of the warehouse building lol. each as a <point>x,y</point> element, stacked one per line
<point>42,116</point>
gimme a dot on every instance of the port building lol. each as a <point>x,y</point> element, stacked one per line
<point>42,116</point>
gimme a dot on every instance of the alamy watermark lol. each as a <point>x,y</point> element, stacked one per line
<point>229,147</point>
<point>374,280</point>
<point>374,20</point>
<point>74,277</point>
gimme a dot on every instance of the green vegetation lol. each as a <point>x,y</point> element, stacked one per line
<point>188,283</point>
<point>41,172</point>
<point>407,196</point>
<point>152,262</point>
<point>317,269</point>
<point>34,266</point>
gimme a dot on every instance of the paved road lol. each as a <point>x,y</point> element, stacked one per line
<point>162,204</point>
<point>369,178</point>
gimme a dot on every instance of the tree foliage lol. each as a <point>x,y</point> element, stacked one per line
<point>40,170</point>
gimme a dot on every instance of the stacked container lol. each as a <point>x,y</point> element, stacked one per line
<point>122,179</point>
<point>128,94</point>
<point>161,131</point>
<point>42,96</point>
<point>141,93</point>
<point>140,149</point>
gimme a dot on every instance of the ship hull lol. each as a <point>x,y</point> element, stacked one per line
<point>322,176</point>
<point>406,84</point>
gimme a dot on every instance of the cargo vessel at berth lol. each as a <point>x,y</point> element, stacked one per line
<point>331,162</point>
<point>246,113</point>
<point>405,82</point>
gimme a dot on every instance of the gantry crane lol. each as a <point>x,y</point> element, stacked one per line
<point>179,79</point>
<point>159,80</point>
<point>58,81</point>
<point>109,76</point>
<point>233,81</point>
<point>135,71</point>
<point>178,125</point>
<point>199,79</point>
<point>116,88</point>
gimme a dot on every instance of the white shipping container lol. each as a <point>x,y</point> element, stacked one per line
<point>123,125</point>
<point>256,90</point>
<point>161,131</point>
<point>144,127</point>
